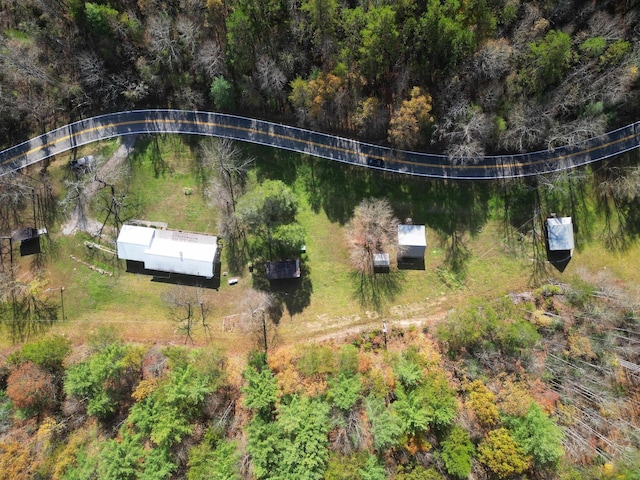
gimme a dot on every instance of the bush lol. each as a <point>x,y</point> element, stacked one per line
<point>32,389</point>
<point>348,360</point>
<point>538,435</point>
<point>501,454</point>
<point>517,336</point>
<point>220,461</point>
<point>466,329</point>
<point>344,467</point>
<point>457,451</point>
<point>48,353</point>
<point>317,360</point>
<point>99,380</point>
<point>344,391</point>
<point>261,391</point>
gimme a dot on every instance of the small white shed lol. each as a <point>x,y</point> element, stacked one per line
<point>560,234</point>
<point>381,262</point>
<point>412,240</point>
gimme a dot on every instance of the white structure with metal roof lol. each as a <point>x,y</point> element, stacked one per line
<point>133,241</point>
<point>412,240</point>
<point>560,233</point>
<point>169,251</point>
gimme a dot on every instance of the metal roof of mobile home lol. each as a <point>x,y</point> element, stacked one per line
<point>181,245</point>
<point>133,240</point>
<point>169,250</point>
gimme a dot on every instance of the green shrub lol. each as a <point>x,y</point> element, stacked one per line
<point>344,467</point>
<point>457,452</point>
<point>348,360</point>
<point>218,461</point>
<point>98,380</point>
<point>261,391</point>
<point>593,47</point>
<point>317,360</point>
<point>344,391</point>
<point>538,435</point>
<point>516,336</point>
<point>386,427</point>
<point>48,353</point>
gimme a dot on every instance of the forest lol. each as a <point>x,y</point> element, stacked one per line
<point>461,77</point>
<point>484,364</point>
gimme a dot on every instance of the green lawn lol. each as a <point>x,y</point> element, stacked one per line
<point>483,263</point>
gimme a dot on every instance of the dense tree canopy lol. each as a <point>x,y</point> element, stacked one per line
<point>334,61</point>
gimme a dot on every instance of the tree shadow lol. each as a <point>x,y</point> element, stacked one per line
<point>148,148</point>
<point>294,293</point>
<point>618,201</point>
<point>275,164</point>
<point>377,290</point>
<point>235,254</point>
<point>453,208</point>
<point>457,253</point>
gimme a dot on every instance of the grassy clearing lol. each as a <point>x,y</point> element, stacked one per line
<point>166,184</point>
<point>486,262</point>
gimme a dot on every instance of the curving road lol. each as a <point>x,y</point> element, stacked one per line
<point>317,144</point>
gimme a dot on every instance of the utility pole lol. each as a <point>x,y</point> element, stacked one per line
<point>62,302</point>
<point>384,333</point>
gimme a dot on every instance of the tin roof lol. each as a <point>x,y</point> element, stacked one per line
<point>381,260</point>
<point>560,233</point>
<point>136,235</point>
<point>181,245</point>
<point>412,235</point>
<point>283,270</point>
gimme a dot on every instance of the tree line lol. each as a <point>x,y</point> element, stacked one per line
<point>365,408</point>
<point>462,77</point>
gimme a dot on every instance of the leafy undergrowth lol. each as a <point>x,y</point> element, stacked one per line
<point>541,384</point>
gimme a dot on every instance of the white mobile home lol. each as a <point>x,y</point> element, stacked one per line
<point>169,251</point>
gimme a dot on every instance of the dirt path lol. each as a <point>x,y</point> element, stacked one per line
<point>420,314</point>
<point>107,172</point>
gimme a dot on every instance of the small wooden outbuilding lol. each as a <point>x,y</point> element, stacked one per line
<point>283,270</point>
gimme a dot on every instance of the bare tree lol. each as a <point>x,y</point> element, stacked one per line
<point>260,313</point>
<point>25,310</point>
<point>20,61</point>
<point>91,69</point>
<point>188,309</point>
<point>527,128</point>
<point>210,59</point>
<point>373,229</point>
<point>162,42</point>
<point>492,60</point>
<point>467,130</point>
<point>570,133</point>
<point>187,29</point>
<point>272,79</point>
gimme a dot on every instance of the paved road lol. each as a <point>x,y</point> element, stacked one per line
<point>316,144</point>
